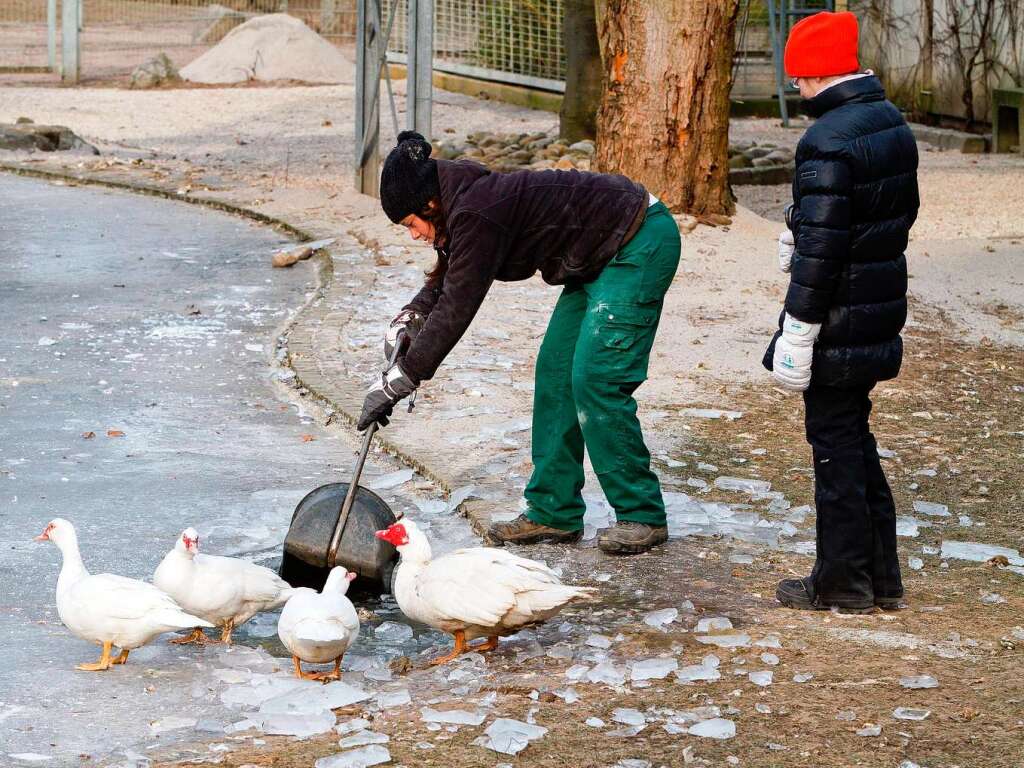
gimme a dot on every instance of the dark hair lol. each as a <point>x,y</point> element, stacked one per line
<point>433,213</point>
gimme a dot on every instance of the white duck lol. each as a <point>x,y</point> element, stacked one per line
<point>318,627</point>
<point>471,593</point>
<point>223,590</point>
<point>106,609</point>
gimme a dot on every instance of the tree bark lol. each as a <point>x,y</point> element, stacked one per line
<point>578,116</point>
<point>664,117</point>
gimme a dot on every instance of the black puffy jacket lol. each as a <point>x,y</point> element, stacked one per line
<point>854,200</point>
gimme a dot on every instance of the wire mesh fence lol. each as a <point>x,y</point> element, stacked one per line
<point>24,34</point>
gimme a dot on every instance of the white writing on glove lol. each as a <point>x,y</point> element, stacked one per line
<point>794,352</point>
<point>787,245</point>
<point>407,320</point>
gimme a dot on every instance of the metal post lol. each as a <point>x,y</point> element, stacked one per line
<point>367,128</point>
<point>51,35</point>
<point>420,67</point>
<point>70,49</point>
<point>775,28</point>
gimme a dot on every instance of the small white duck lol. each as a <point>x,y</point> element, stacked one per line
<point>223,590</point>
<point>106,609</point>
<point>477,592</point>
<point>318,627</point>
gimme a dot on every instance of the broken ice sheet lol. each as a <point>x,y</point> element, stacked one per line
<point>711,623</point>
<point>919,681</point>
<point>509,737</point>
<point>770,659</point>
<point>979,553</point>
<point>393,632</point>
<point>697,672</point>
<point>739,640</point>
<point>652,669</point>
<point>628,716</point>
<point>599,641</point>
<point>741,559</point>
<point>373,754</point>
<point>391,480</point>
<point>453,716</point>
<point>761,678</point>
<point>931,508</point>
<point>606,672</point>
<point>171,723</point>
<point>659,619</point>
<point>312,701</point>
<point>594,722</point>
<point>302,726</point>
<point>358,724</point>
<point>362,738</point>
<point>716,728</point>
<point>991,598</point>
<point>870,729</point>
<point>915,563</point>
<point>388,699</point>
<point>712,413</point>
<point>802,677</point>
<point>744,484</point>
<point>909,713</point>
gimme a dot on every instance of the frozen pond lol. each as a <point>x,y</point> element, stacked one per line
<point>150,325</point>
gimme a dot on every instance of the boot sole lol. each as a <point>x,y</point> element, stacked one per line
<point>621,548</point>
<point>889,603</point>
<point>539,538</point>
<point>801,604</point>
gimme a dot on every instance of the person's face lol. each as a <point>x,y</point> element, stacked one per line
<point>419,229</point>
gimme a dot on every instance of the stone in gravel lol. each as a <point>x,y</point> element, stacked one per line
<point>740,161</point>
<point>779,156</point>
<point>755,152</point>
<point>586,147</point>
<point>157,71</point>
<point>565,164</point>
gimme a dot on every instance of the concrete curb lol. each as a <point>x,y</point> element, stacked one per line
<point>947,139</point>
<point>339,394</point>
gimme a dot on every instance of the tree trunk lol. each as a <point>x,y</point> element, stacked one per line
<point>664,118</point>
<point>578,116</point>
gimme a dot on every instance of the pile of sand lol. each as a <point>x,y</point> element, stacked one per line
<point>272,47</point>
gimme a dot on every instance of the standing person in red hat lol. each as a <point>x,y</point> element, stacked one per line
<point>855,199</point>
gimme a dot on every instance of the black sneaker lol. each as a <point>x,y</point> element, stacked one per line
<point>793,593</point>
<point>890,603</point>
<point>629,538</point>
<point>522,530</point>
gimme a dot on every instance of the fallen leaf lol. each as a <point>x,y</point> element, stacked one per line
<point>88,435</point>
<point>308,438</point>
<point>115,433</point>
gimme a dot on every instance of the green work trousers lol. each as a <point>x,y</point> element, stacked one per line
<point>593,358</point>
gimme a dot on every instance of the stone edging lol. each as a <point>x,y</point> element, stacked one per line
<point>343,397</point>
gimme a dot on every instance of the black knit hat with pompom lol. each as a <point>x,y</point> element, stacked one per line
<point>409,179</point>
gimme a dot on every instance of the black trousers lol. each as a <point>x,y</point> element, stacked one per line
<point>856,527</point>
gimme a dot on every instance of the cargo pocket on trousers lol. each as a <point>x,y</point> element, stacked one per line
<point>624,339</point>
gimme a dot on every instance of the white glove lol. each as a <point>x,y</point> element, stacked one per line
<point>408,321</point>
<point>786,248</point>
<point>794,352</point>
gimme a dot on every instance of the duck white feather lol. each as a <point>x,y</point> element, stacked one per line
<point>225,591</point>
<point>107,609</point>
<point>475,592</point>
<point>318,627</point>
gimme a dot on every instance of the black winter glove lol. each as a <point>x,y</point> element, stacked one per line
<point>380,400</point>
<point>411,323</point>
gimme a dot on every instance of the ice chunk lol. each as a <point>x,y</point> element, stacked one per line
<point>330,696</point>
<point>991,598</point>
<point>568,695</point>
<point>769,641</point>
<point>30,757</point>
<point>453,716</point>
<point>628,716</point>
<point>931,508</point>
<point>712,413</point>
<point>388,699</point>
<point>660,618</point>
<point>909,713</point>
<point>599,641</point>
<point>626,732</point>
<point>606,672</point>
<point>744,484</point>
<point>846,715</point>
<point>713,623</point>
<point>652,669</point>
<point>510,737</point>
<point>919,681</point>
<point>302,725</point>
<point>716,728</point>
<point>696,482</point>
<point>632,762</point>
<point>965,521</point>
<point>577,671</point>
<point>703,466</point>
<point>358,724</point>
<point>908,764</point>
<point>696,672</point>
<point>264,688</point>
<point>762,678</point>
<point>979,553</point>
<point>770,659</point>
<point>373,754</point>
<point>391,480</point>
<point>171,723</point>
<point>594,722</point>
<point>741,559</point>
<point>738,640</point>
<point>908,526</point>
<point>459,495</point>
<point>764,709</point>
<point>362,738</point>
<point>870,729</point>
<point>802,677</point>
<point>915,563</point>
<point>393,632</point>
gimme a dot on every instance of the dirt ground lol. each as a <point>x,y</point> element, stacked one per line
<point>954,422</point>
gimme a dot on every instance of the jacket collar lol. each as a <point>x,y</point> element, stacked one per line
<point>859,89</point>
<point>454,178</point>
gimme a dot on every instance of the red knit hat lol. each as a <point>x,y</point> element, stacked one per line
<point>821,45</point>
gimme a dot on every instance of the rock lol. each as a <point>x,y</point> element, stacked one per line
<point>779,156</point>
<point>763,162</point>
<point>565,164</point>
<point>586,147</point>
<point>755,152</point>
<point>45,138</point>
<point>287,258</point>
<point>158,71</point>
<point>583,163</point>
<point>543,143</point>
<point>541,165</point>
<point>740,161</point>
<point>448,152</point>
<point>521,156</point>
<point>24,121</point>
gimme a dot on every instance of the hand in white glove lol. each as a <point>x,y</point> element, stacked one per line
<point>787,245</point>
<point>794,352</point>
<point>408,321</point>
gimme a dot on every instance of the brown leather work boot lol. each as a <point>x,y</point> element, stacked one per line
<point>628,538</point>
<point>522,530</point>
